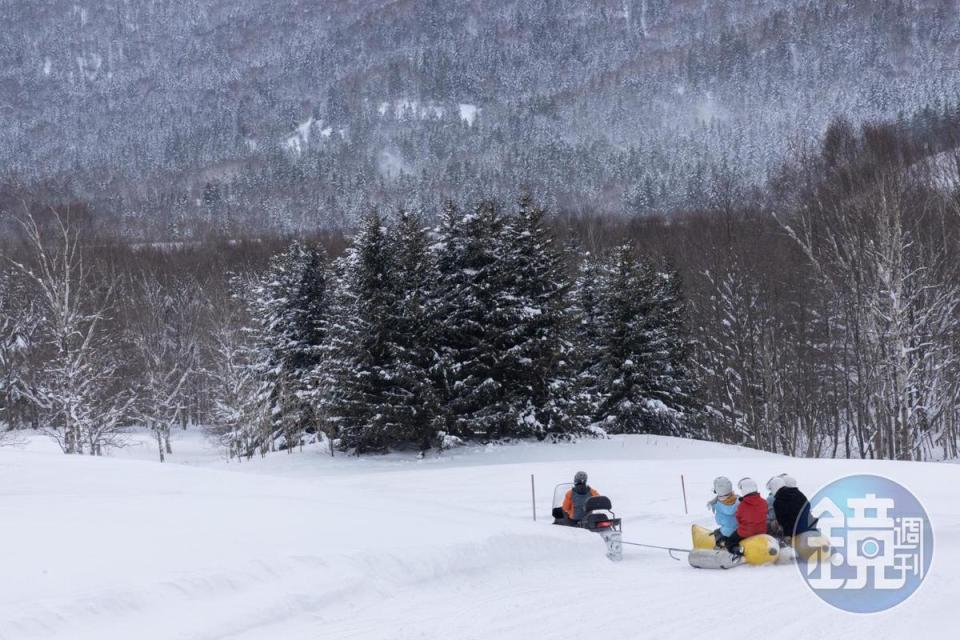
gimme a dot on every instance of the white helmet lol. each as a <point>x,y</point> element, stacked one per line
<point>789,480</point>
<point>774,484</point>
<point>747,485</point>
<point>722,486</point>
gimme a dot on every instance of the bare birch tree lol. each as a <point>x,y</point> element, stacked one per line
<point>901,305</point>
<point>80,397</point>
<point>161,335</point>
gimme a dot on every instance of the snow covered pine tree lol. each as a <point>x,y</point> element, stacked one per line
<point>536,341</point>
<point>289,303</point>
<point>357,366</point>
<point>639,369</point>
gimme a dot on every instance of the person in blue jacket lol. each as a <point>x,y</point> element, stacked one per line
<point>724,507</point>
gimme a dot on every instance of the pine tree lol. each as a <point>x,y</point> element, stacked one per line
<point>357,362</point>
<point>589,310</point>
<point>411,403</point>
<point>640,368</point>
<point>670,390</point>
<point>471,372</point>
<point>289,304</point>
<point>536,341</point>
<point>308,318</point>
<point>625,345</point>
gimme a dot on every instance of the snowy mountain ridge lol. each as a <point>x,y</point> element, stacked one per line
<point>611,106</point>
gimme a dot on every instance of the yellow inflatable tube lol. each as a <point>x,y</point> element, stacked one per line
<point>758,550</point>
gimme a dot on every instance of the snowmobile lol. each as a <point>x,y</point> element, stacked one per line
<point>599,518</point>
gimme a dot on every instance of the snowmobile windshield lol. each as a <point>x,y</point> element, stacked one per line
<point>559,492</point>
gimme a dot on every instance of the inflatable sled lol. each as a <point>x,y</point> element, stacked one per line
<point>757,550</point>
<point>811,546</point>
<point>599,518</point>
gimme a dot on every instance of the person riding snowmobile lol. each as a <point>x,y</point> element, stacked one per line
<point>575,501</point>
<point>751,515</point>
<point>724,507</point>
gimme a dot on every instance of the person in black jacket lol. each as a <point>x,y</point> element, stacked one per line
<point>792,509</point>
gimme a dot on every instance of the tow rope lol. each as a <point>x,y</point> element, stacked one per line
<point>670,550</point>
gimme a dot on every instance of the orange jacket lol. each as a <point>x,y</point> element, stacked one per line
<point>568,501</point>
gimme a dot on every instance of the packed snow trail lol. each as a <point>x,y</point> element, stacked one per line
<point>306,547</point>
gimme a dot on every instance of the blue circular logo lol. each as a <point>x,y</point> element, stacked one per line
<point>872,547</point>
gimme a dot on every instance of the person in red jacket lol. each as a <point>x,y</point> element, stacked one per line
<point>751,515</point>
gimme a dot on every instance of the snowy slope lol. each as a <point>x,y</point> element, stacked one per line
<point>304,546</point>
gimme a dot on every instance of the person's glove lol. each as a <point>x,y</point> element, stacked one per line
<point>712,505</point>
<point>718,537</point>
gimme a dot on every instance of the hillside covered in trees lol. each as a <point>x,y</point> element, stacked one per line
<point>172,119</point>
<point>817,316</point>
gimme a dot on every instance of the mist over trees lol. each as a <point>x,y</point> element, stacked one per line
<point>174,119</point>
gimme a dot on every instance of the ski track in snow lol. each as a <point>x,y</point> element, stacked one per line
<point>304,546</point>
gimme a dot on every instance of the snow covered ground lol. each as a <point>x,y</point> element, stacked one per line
<point>304,546</point>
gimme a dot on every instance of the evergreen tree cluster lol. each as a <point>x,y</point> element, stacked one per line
<point>475,330</point>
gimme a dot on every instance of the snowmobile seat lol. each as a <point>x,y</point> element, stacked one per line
<point>598,503</point>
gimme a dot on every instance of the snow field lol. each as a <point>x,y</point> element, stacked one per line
<point>305,546</point>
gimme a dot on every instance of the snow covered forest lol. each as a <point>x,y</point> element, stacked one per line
<point>310,311</point>
<point>819,315</point>
<point>173,118</point>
